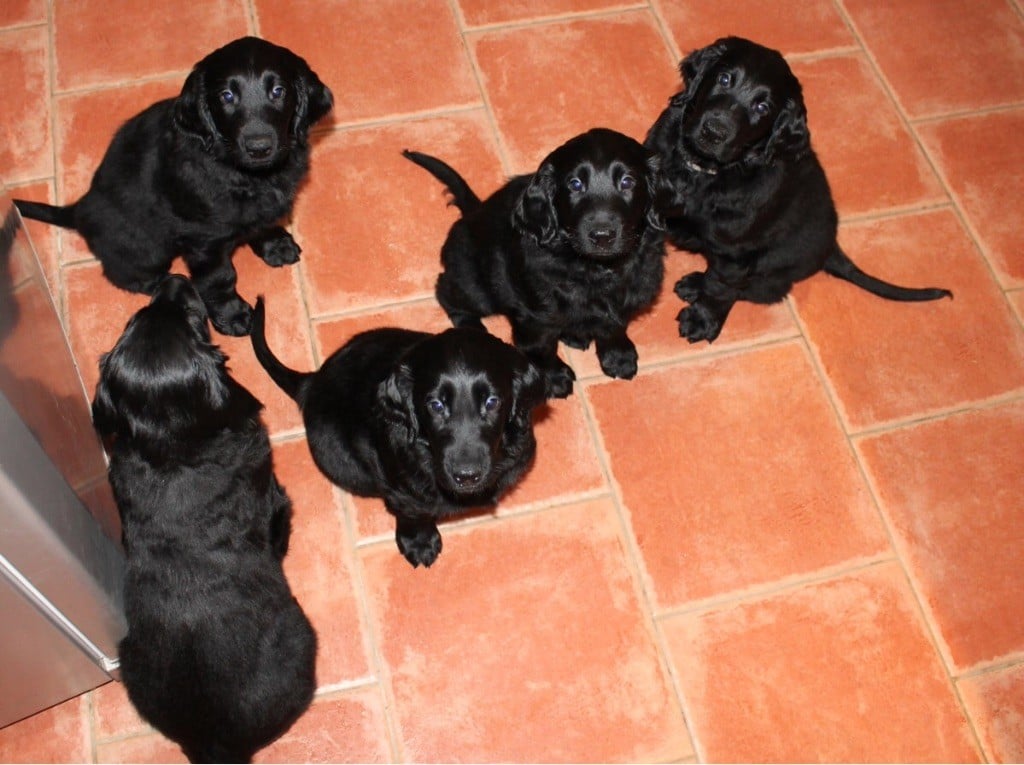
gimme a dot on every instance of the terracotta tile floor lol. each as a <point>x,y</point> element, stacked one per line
<point>802,543</point>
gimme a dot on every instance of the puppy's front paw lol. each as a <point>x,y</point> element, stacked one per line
<point>573,340</point>
<point>281,250</point>
<point>558,380</point>
<point>619,360</point>
<point>420,543</point>
<point>233,317</point>
<point>697,323</point>
<point>690,287</point>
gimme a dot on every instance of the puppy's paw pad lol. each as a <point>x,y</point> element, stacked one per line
<point>233,319</point>
<point>696,324</point>
<point>558,381</point>
<point>619,362</point>
<point>421,549</point>
<point>282,251</point>
<point>690,287</point>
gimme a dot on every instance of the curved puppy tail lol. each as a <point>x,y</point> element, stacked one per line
<point>463,196</point>
<point>291,382</point>
<point>58,216</point>
<point>839,264</point>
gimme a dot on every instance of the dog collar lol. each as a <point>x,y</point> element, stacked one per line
<point>691,165</point>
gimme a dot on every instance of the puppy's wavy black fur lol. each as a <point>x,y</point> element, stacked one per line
<point>750,193</point>
<point>573,252</point>
<point>433,424</point>
<point>219,656</point>
<point>200,174</point>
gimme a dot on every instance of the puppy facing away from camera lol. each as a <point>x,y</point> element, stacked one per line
<point>219,656</point>
<point>432,424</point>
<point>749,192</point>
<point>201,174</point>
<point>573,252</point>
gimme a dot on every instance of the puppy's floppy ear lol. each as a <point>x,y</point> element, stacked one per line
<point>527,392</point>
<point>693,68</point>
<point>313,100</point>
<point>395,401</point>
<point>191,112</point>
<point>104,413</point>
<point>790,136</point>
<point>535,210</point>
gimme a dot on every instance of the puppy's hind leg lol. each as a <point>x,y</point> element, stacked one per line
<point>214,277</point>
<point>276,247</point>
<point>418,539</point>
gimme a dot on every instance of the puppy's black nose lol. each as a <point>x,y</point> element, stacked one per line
<point>259,146</point>
<point>714,130</point>
<point>466,477</point>
<point>602,237</point>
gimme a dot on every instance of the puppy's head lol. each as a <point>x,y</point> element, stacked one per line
<point>163,378</point>
<point>468,398</point>
<point>597,192</point>
<point>741,103</point>
<point>251,102</point>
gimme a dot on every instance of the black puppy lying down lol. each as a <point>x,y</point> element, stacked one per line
<point>219,657</point>
<point>433,424</point>
<point>750,193</point>
<point>573,252</point>
<point>200,174</point>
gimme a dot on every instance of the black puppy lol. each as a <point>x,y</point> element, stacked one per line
<point>219,657</point>
<point>202,173</point>
<point>433,424</point>
<point>573,252</point>
<point>750,193</point>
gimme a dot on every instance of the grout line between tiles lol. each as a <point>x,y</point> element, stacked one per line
<point>1013,661</point>
<point>991,402</point>
<point>666,34</point>
<point>960,114</point>
<point>558,18</point>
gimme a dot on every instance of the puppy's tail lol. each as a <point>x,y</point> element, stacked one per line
<point>839,264</point>
<point>291,382</point>
<point>462,195</point>
<point>58,216</point>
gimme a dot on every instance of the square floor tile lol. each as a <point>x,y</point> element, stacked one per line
<point>533,620</point>
<point>934,54</point>
<point>871,160</point>
<point>841,671</point>
<point>952,491</point>
<point>98,45</point>
<point>373,222</point>
<point>57,734</point>
<point>343,728</point>
<point>790,26</point>
<point>977,155</point>
<point>888,360</point>
<point>113,713</point>
<point>550,82</point>
<point>995,701</point>
<point>26,148</point>
<point>379,58</point>
<point>735,474</point>
<point>319,567</point>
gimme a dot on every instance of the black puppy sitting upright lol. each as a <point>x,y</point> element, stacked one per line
<point>219,656</point>
<point>750,193</point>
<point>433,424</point>
<point>200,174</point>
<point>573,252</point>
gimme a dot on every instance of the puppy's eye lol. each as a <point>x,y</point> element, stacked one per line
<point>762,107</point>
<point>725,79</point>
<point>277,92</point>
<point>436,406</point>
<point>227,97</point>
<point>628,182</point>
<point>491,403</point>
<point>575,184</point>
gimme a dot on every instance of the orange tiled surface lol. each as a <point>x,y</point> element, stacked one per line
<point>802,543</point>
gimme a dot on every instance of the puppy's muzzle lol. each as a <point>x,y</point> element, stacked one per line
<point>467,472</point>
<point>259,147</point>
